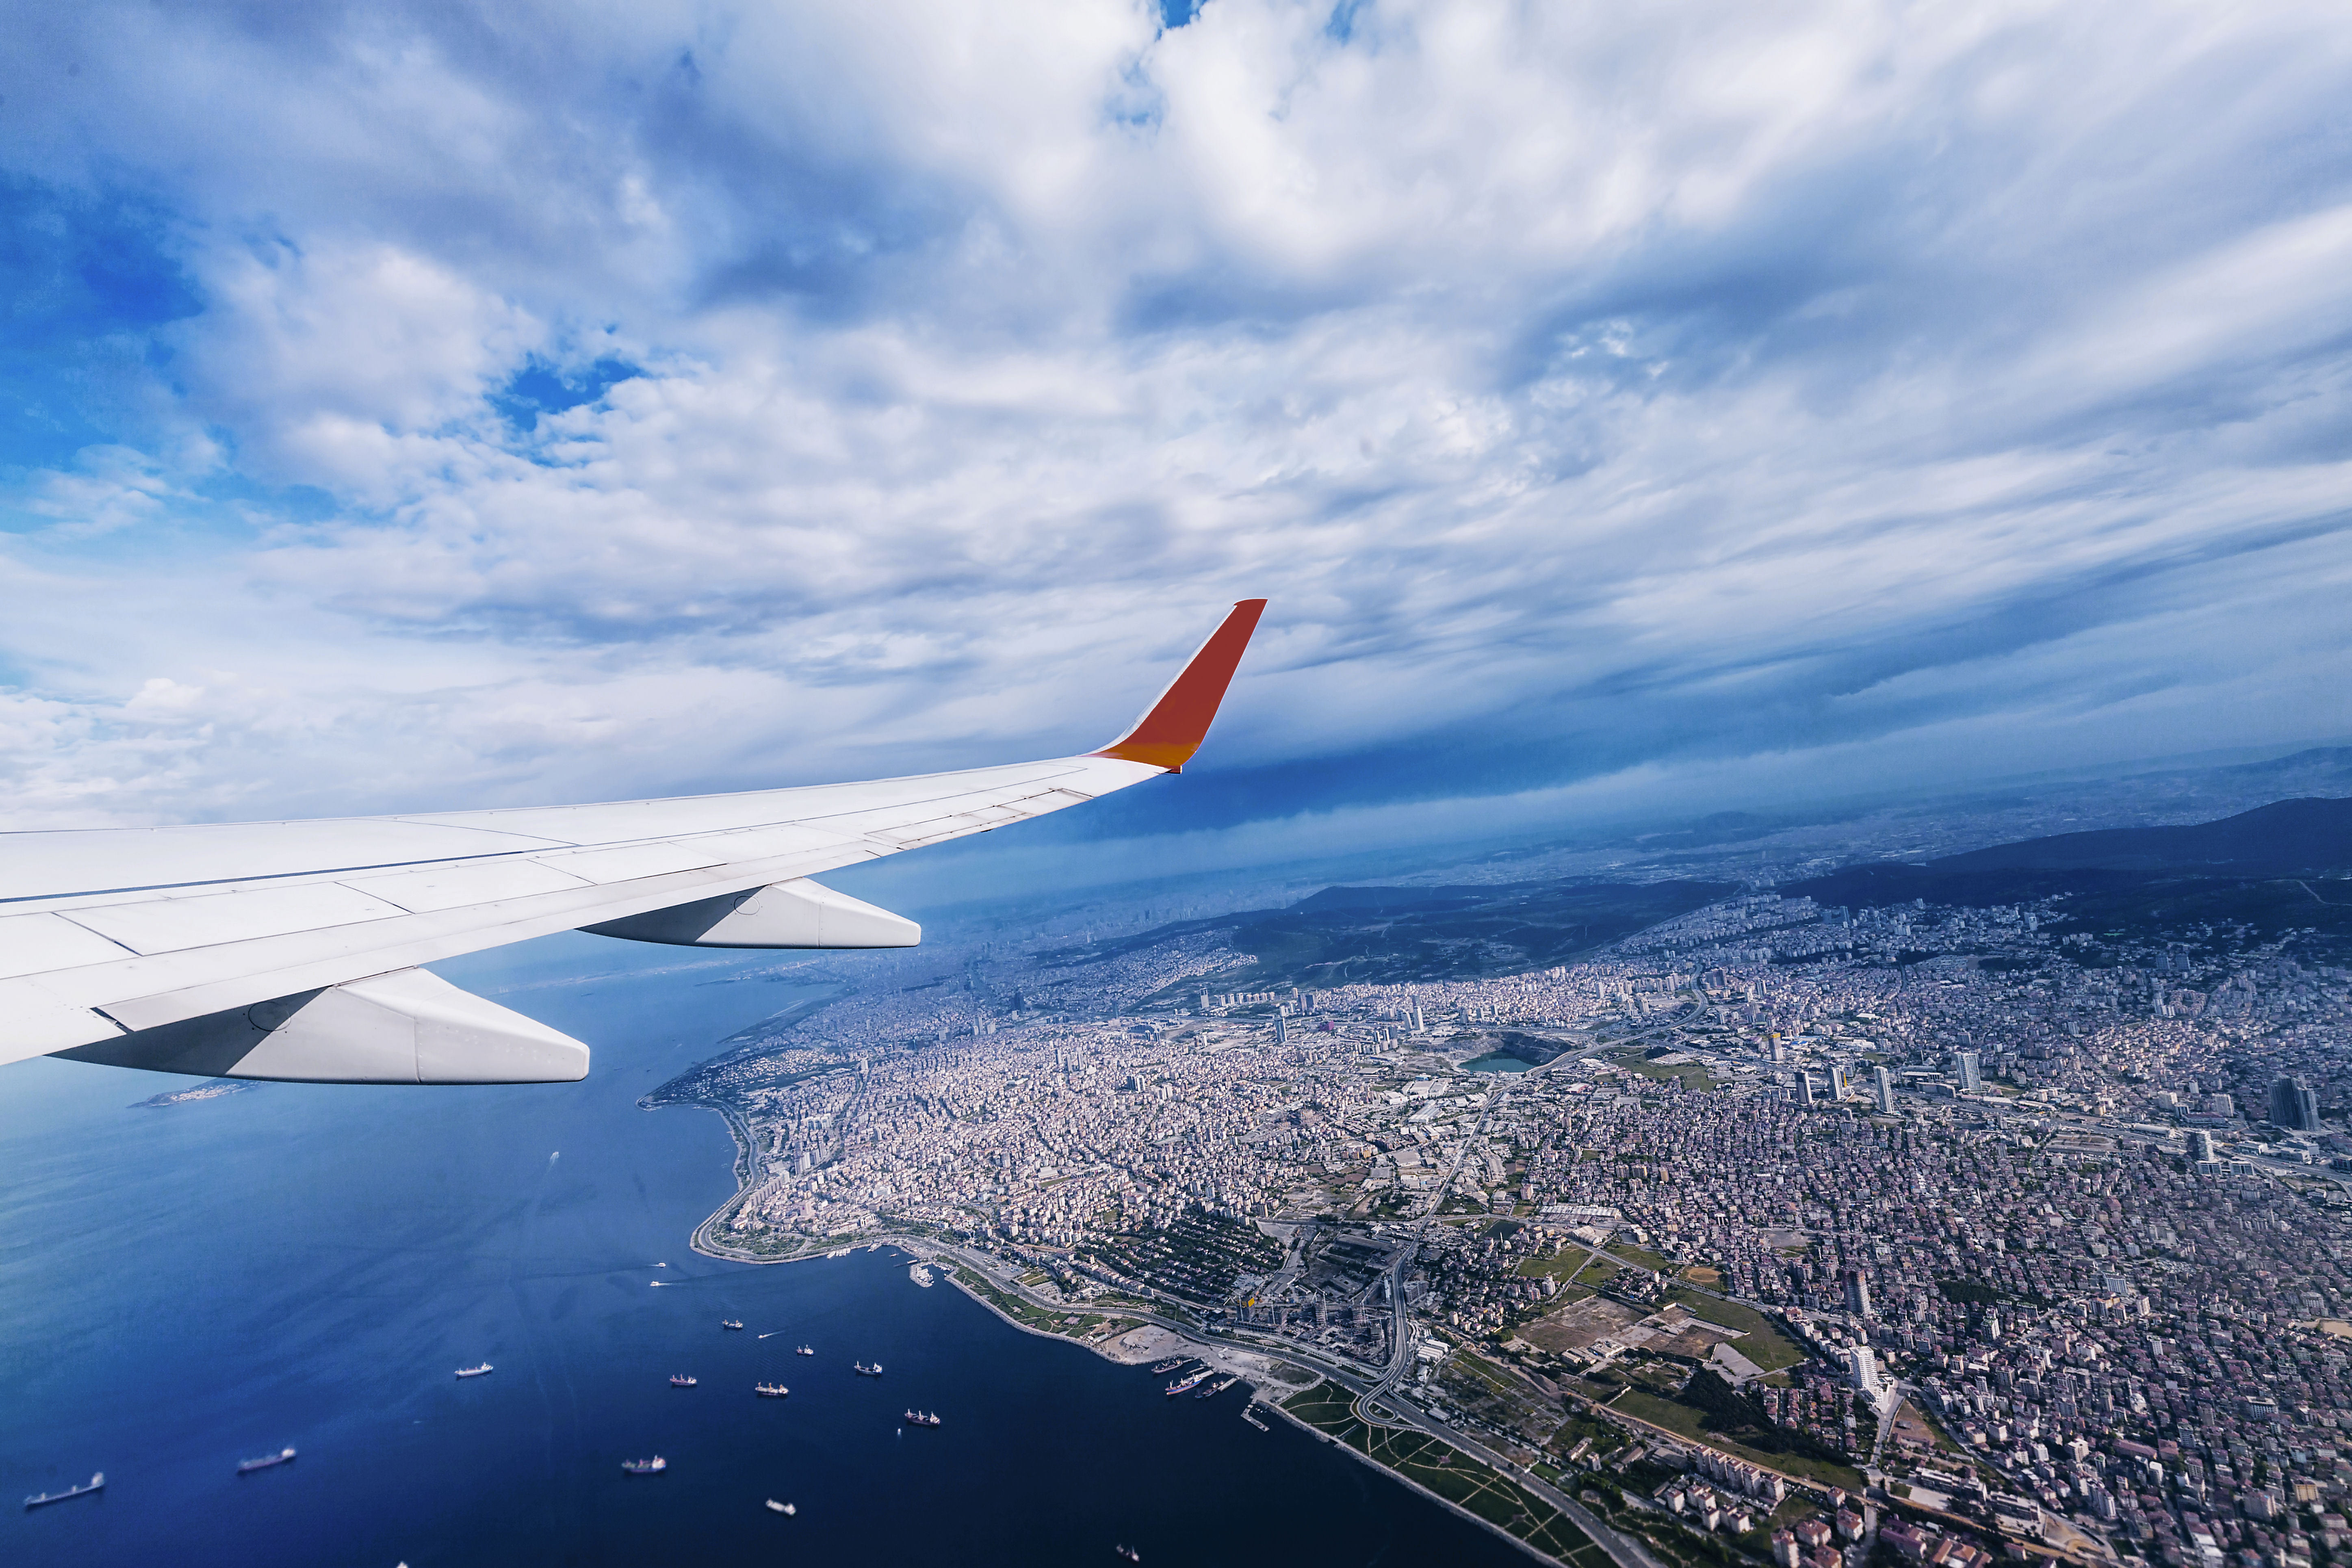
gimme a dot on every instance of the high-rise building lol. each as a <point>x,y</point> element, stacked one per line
<point>1839,1086</point>
<point>1281,1028</point>
<point>1857,1293</point>
<point>1805,1091</point>
<point>2293,1105</point>
<point>1863,1366</point>
<point>1966,1072</point>
<point>1419,1025</point>
<point>2200,1145</point>
<point>1882,1090</point>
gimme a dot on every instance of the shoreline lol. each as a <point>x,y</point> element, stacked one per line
<point>941,1258</point>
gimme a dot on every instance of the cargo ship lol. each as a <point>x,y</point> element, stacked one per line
<point>1182,1383</point>
<point>652,1466</point>
<point>729,1323</point>
<point>921,1418</point>
<point>42,1500</point>
<point>680,1380</point>
<point>481,1370</point>
<point>861,1370</point>
<point>770,1390</point>
<point>283,1455</point>
<point>1167,1366</point>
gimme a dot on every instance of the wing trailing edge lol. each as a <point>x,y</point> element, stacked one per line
<point>293,950</point>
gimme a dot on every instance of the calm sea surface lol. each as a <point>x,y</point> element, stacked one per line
<point>185,1288</point>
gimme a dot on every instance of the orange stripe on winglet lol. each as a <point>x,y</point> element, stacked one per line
<point>1173,730</point>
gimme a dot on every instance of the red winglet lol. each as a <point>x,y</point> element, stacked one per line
<point>1171,730</point>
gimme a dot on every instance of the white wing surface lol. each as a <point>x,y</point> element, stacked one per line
<point>290,950</point>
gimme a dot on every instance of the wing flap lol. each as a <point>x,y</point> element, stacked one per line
<point>468,882</point>
<point>210,920</point>
<point>632,862</point>
<point>33,944</point>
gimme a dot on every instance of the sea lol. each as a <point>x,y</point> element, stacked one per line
<point>186,1286</point>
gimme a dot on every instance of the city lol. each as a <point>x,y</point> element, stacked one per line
<point>1778,1231</point>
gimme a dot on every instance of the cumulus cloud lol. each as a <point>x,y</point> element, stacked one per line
<point>596,401</point>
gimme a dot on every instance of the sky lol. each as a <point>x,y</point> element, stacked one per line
<point>1665,407</point>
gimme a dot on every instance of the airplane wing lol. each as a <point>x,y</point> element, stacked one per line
<point>291,949</point>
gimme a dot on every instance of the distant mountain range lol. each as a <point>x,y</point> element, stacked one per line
<point>2285,839</point>
<point>2244,871</point>
<point>2255,867</point>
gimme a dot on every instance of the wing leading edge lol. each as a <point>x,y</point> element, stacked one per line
<point>291,949</point>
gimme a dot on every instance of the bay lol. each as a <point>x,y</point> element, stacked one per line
<point>189,1286</point>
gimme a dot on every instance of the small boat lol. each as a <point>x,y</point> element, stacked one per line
<point>921,1418</point>
<point>680,1380</point>
<point>283,1455</point>
<point>861,1370</point>
<point>805,1349</point>
<point>1218,1387</point>
<point>729,1323</point>
<point>652,1466</point>
<point>42,1500</point>
<point>770,1390</point>
<point>481,1370</point>
<point>1130,1552</point>
<point>784,1508</point>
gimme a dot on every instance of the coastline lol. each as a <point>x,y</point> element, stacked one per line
<point>1118,1342</point>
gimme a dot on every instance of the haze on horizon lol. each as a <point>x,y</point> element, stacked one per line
<point>443,406</point>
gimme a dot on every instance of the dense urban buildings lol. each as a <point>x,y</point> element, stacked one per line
<point>1942,1233</point>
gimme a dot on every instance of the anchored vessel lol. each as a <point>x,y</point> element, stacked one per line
<point>770,1390</point>
<point>1130,1552</point>
<point>475,1371</point>
<point>39,1499</point>
<point>805,1349</point>
<point>921,1418</point>
<point>1182,1383</point>
<point>861,1370</point>
<point>282,1457</point>
<point>680,1380</point>
<point>729,1323</point>
<point>775,1507</point>
<point>652,1466</point>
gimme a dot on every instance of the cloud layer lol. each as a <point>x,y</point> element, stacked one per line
<point>434,405</point>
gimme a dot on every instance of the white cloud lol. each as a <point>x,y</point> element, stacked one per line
<point>1689,382</point>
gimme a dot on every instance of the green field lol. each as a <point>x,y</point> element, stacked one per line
<point>1763,1344</point>
<point>1597,1271</point>
<point>1639,1256</point>
<point>1021,1312</point>
<point>1563,1267</point>
<point>1693,1076</point>
<point>1452,1474</point>
<point>1683,1419</point>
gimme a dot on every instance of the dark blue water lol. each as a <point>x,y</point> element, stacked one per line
<point>181,1288</point>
